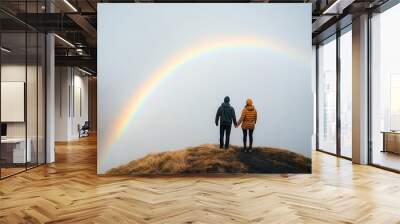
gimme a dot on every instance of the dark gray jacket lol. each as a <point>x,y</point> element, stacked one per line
<point>226,114</point>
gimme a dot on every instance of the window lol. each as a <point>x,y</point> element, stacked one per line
<point>329,112</point>
<point>395,102</point>
<point>327,96</point>
<point>346,93</point>
<point>385,89</point>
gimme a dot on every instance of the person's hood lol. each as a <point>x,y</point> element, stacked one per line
<point>226,102</point>
<point>249,105</point>
<point>249,102</point>
<point>227,99</point>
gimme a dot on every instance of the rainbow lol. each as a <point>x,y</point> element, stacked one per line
<point>141,94</point>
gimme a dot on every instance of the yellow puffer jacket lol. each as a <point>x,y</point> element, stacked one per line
<point>248,119</point>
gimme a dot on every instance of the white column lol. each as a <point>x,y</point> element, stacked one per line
<point>50,92</point>
<point>50,99</point>
<point>360,90</point>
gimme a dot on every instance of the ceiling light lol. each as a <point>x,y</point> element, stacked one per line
<point>335,4</point>
<point>65,41</point>
<point>70,5</point>
<point>79,51</point>
<point>84,71</point>
<point>5,50</point>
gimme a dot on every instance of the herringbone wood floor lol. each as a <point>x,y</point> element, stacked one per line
<point>69,191</point>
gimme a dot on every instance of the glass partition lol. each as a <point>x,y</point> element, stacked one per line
<point>22,101</point>
<point>14,153</point>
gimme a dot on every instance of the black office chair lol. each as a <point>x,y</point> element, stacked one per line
<point>84,130</point>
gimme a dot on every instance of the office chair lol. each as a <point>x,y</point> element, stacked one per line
<point>84,130</point>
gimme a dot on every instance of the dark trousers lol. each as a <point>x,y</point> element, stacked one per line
<point>224,129</point>
<point>245,131</point>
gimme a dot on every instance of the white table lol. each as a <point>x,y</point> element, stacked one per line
<point>18,145</point>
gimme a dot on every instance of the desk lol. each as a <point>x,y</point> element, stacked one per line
<point>13,150</point>
<point>391,141</point>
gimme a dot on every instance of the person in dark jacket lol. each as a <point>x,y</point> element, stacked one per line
<point>225,116</point>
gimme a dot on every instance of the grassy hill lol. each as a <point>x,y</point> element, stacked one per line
<point>210,159</point>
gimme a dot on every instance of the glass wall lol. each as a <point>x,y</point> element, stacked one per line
<point>346,92</point>
<point>327,95</point>
<point>385,89</point>
<point>13,89</point>
<point>335,86</point>
<point>22,108</point>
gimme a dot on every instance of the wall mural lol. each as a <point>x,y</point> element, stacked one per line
<point>204,88</point>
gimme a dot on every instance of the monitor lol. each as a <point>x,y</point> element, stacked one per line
<point>3,129</point>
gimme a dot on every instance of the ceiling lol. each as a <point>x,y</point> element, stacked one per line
<point>75,22</point>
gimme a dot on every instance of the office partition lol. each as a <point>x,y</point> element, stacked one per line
<point>22,78</point>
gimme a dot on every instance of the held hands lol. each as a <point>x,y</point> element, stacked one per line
<point>236,125</point>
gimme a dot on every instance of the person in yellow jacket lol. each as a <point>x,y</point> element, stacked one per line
<point>248,120</point>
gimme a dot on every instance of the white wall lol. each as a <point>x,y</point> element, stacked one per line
<point>17,73</point>
<point>69,84</point>
<point>79,115</point>
<point>158,89</point>
<point>62,81</point>
<point>12,73</point>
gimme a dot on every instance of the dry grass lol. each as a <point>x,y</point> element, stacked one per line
<point>210,159</point>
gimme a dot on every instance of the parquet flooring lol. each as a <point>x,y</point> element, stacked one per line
<point>5,172</point>
<point>69,191</point>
